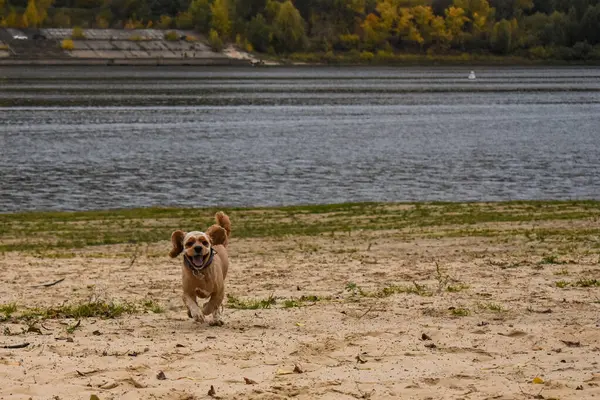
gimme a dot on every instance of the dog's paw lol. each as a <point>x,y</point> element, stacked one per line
<point>216,322</point>
<point>196,316</point>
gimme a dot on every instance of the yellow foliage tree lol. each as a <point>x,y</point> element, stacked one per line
<point>374,31</point>
<point>422,17</point>
<point>440,35</point>
<point>31,17</point>
<point>220,21</point>
<point>455,20</point>
<point>477,11</point>
<point>388,11</point>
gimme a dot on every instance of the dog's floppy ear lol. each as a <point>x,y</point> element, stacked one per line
<point>217,234</point>
<point>177,241</point>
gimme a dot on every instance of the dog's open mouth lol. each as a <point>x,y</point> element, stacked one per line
<point>197,260</point>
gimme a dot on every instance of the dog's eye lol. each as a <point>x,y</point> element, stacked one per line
<point>189,244</point>
<point>205,243</point>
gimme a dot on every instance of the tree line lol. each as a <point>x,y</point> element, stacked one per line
<point>546,29</point>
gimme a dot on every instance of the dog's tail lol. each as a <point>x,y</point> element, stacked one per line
<point>224,222</point>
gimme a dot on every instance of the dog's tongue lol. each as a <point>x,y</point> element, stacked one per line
<point>197,261</point>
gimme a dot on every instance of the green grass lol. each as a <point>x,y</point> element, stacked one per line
<point>551,259</point>
<point>563,271</point>
<point>583,282</point>
<point>6,310</point>
<point>303,301</point>
<point>587,283</point>
<point>492,307</point>
<point>250,304</point>
<point>459,287</point>
<point>389,290</point>
<point>460,312</point>
<point>72,230</point>
<point>96,309</point>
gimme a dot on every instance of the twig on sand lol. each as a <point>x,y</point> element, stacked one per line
<point>366,312</point>
<point>49,284</point>
<point>15,346</point>
<point>87,372</point>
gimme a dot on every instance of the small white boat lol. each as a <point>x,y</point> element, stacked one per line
<point>472,75</point>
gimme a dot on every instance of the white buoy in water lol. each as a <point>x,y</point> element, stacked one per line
<point>472,75</point>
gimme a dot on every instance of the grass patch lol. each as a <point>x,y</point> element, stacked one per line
<point>587,283</point>
<point>153,306</point>
<point>95,309</point>
<point>583,282</point>
<point>387,291</point>
<point>6,310</point>
<point>303,300</point>
<point>551,259</point>
<point>457,288</point>
<point>561,284</point>
<point>71,230</point>
<point>460,312</point>
<point>563,271</point>
<point>492,307</point>
<point>250,304</point>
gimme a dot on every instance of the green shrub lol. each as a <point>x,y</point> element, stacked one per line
<point>77,33</point>
<point>215,41</point>
<point>67,44</point>
<point>366,56</point>
<point>171,36</point>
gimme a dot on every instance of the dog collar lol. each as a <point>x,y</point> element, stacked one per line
<point>196,270</point>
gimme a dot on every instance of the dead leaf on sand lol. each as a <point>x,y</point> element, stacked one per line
<point>360,359</point>
<point>109,385</point>
<point>513,334</point>
<point>571,344</point>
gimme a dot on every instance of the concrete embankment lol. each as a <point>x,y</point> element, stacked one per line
<point>112,47</point>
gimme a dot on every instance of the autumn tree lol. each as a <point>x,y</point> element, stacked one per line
<point>455,21</point>
<point>31,17</point>
<point>374,32</point>
<point>219,20</point>
<point>288,28</point>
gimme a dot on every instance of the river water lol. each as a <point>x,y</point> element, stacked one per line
<point>115,137</point>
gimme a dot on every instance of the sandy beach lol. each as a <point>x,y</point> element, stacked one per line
<point>481,302</point>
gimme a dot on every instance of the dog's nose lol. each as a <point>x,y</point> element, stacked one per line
<point>198,249</point>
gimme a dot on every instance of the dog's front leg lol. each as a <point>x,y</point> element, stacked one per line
<point>213,306</point>
<point>189,299</point>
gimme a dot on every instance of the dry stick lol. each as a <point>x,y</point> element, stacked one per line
<point>16,346</point>
<point>366,312</point>
<point>51,283</point>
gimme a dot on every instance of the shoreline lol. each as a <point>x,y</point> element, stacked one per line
<point>137,212</point>
<point>225,62</point>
